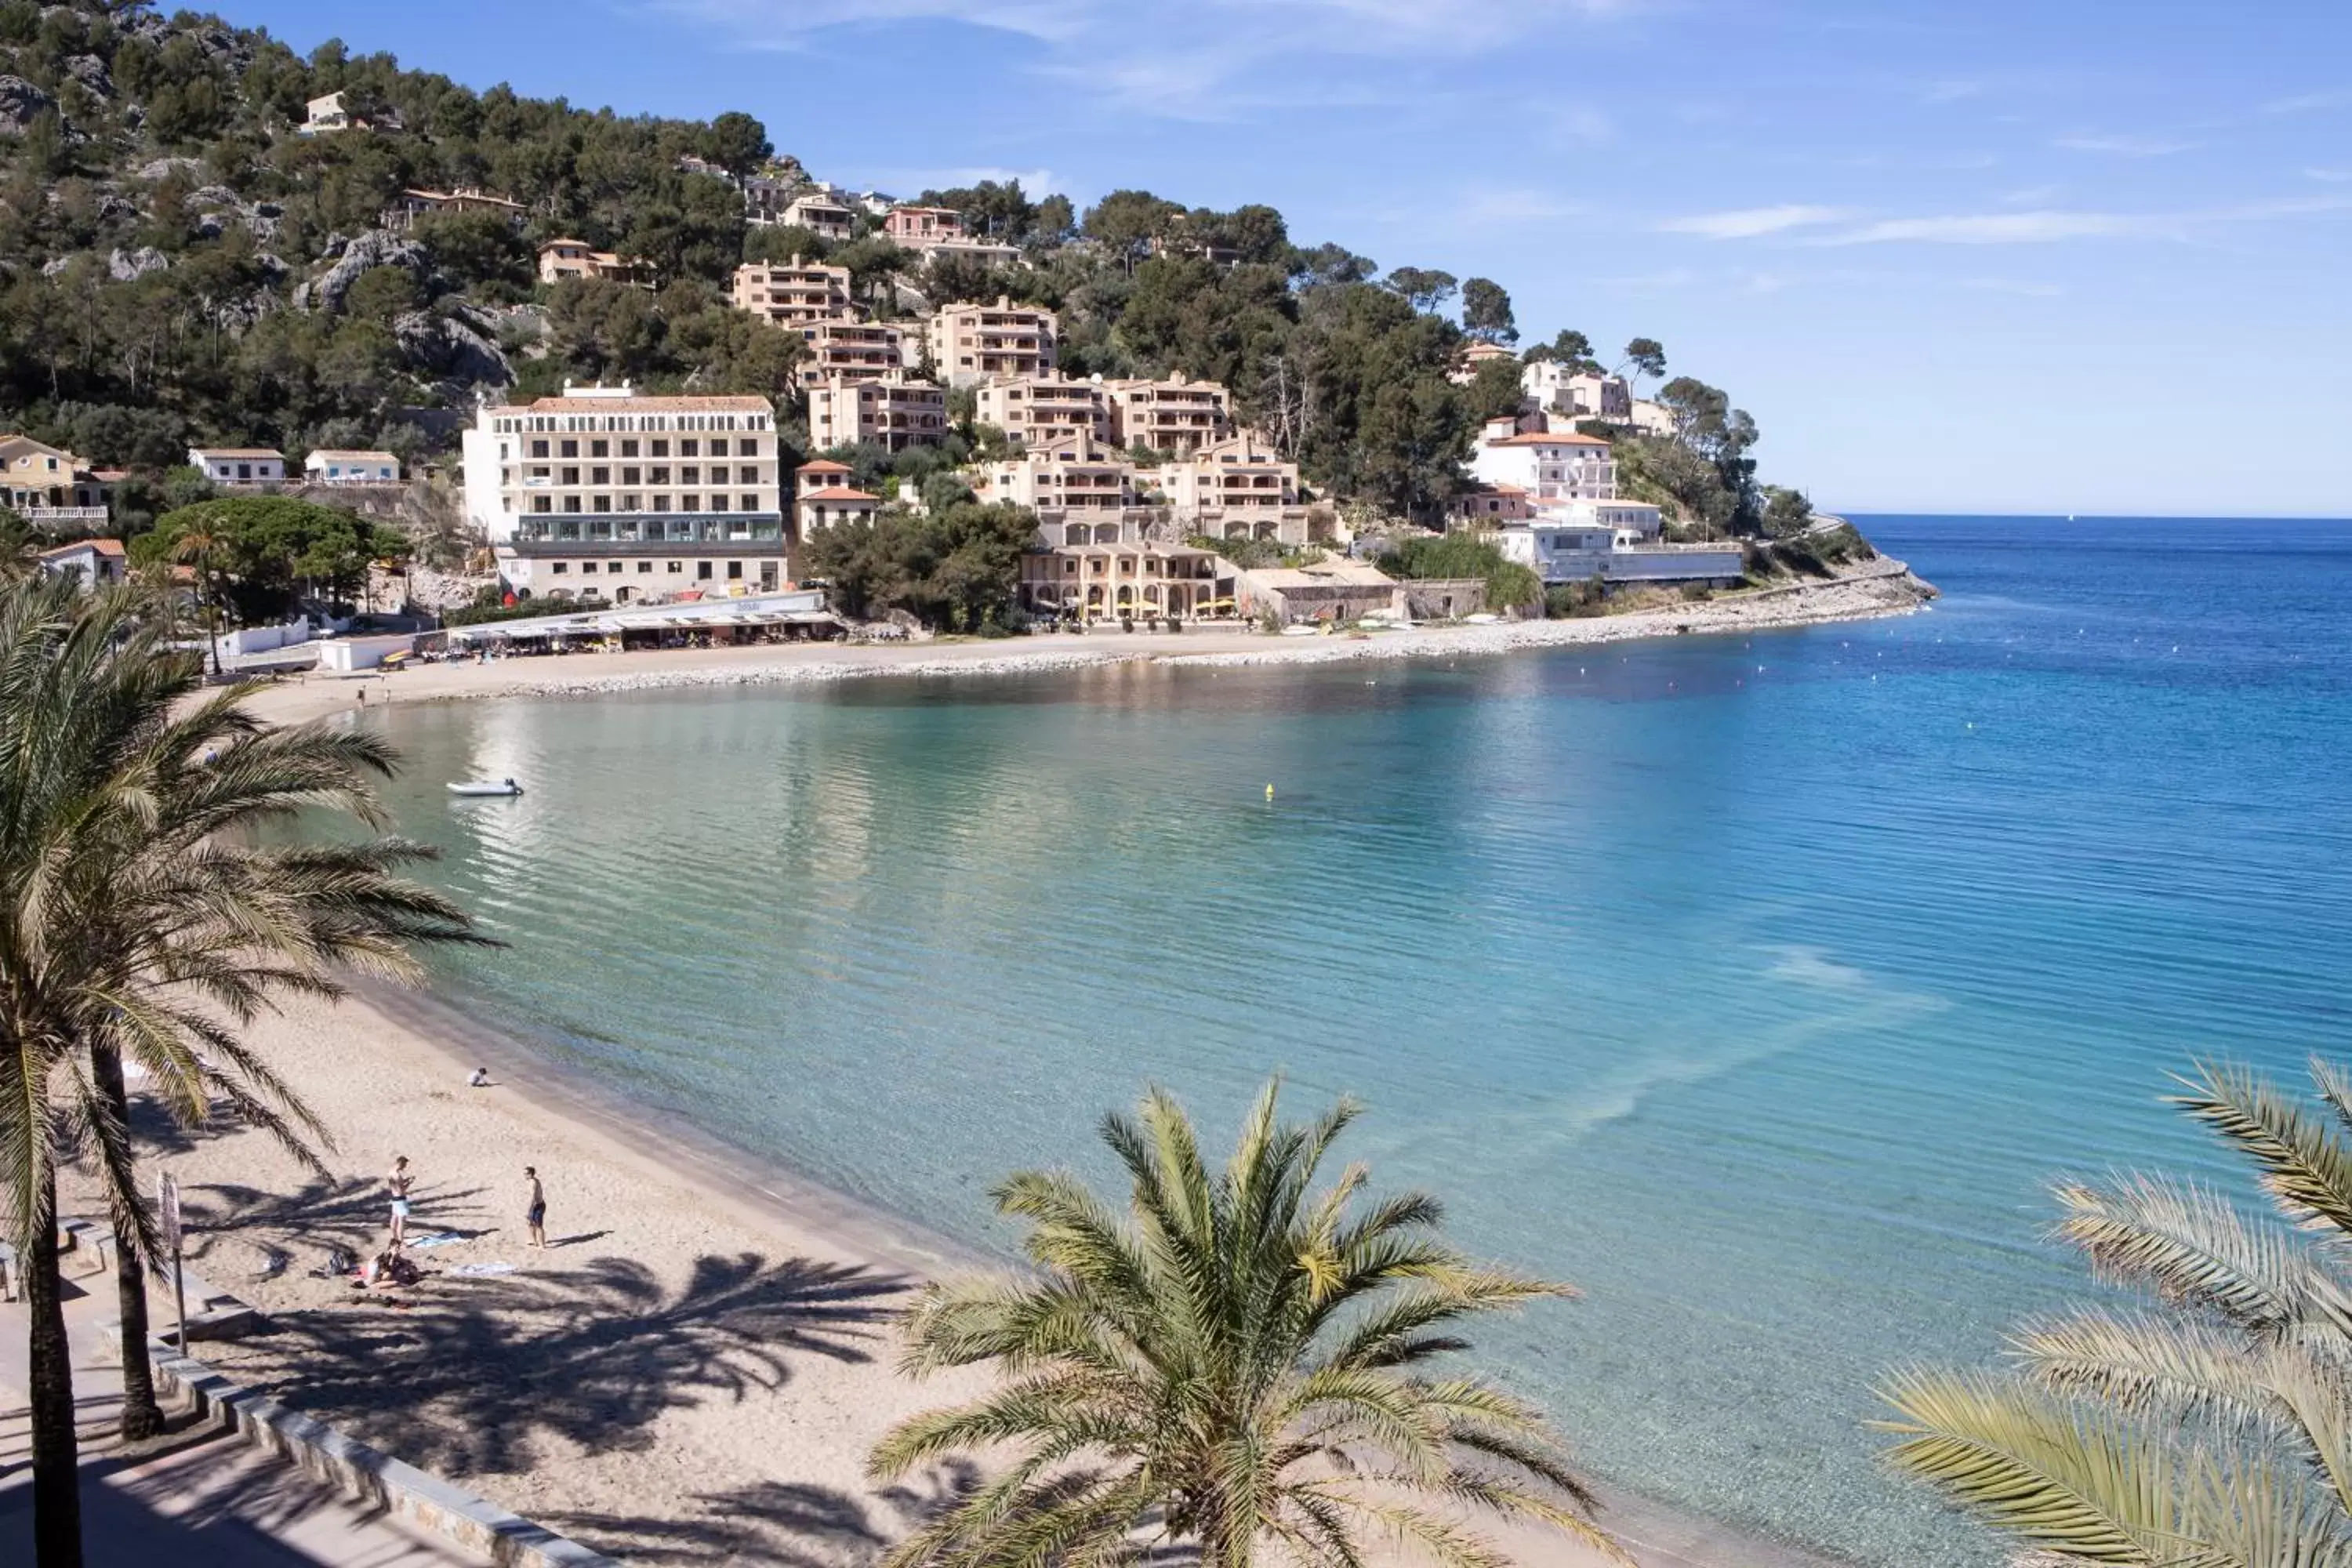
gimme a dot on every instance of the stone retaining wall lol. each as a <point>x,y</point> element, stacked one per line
<point>449,1511</point>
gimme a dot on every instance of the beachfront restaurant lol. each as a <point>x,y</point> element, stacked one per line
<point>798,615</point>
<point>1116,581</point>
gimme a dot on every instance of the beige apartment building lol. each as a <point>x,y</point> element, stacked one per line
<point>50,486</point>
<point>1074,476</point>
<point>1035,409</point>
<point>823,497</point>
<point>893,411</point>
<point>1174,415</point>
<point>820,213</point>
<point>603,493</point>
<point>1239,487</point>
<point>968,344</point>
<point>563,258</point>
<point>850,350</point>
<point>788,293</point>
<point>1127,577</point>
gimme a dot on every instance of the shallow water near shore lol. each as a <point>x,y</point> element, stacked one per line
<point>1754,984</point>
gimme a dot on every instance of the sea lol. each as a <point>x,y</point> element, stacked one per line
<point>1757,985</point>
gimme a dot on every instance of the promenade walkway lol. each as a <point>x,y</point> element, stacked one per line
<point>195,1499</point>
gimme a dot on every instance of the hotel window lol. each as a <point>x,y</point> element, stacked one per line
<point>603,503</point>
<point>628,448</point>
<point>614,567</point>
<point>539,449</point>
<point>750,503</point>
<point>543,503</point>
<point>718,446</point>
<point>689,503</point>
<point>702,571</point>
<point>749,474</point>
<point>644,567</point>
<point>629,476</point>
<point>599,448</point>
<point>587,569</point>
<point>572,503</point>
<point>661,504</point>
<point>570,449</point>
<point>569,476</point>
<point>690,475</point>
<point>561,567</point>
<point>659,477</point>
<point>719,503</point>
<point>734,571</point>
<point>657,449</point>
<point>678,568</point>
<point>688,449</point>
<point>629,503</point>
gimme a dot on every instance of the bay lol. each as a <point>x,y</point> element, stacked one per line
<point>1756,986</point>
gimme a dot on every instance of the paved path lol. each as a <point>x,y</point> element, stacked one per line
<point>203,1500</point>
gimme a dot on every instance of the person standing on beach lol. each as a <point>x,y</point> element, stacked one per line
<point>535,1216</point>
<point>399,1181</point>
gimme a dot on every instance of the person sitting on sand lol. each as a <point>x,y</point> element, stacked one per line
<point>535,1216</point>
<point>481,1078</point>
<point>399,1181</point>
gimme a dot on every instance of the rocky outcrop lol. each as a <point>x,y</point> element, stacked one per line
<point>162,166</point>
<point>126,265</point>
<point>458,345</point>
<point>21,103</point>
<point>90,71</point>
<point>373,249</point>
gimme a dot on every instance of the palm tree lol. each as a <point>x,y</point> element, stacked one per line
<point>1240,1362</point>
<point>198,549</point>
<point>2211,1426</point>
<point>138,922</point>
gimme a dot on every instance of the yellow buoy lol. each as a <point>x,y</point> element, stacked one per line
<point>1269,792</point>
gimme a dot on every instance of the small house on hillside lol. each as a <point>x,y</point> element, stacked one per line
<point>92,563</point>
<point>330,466</point>
<point>235,465</point>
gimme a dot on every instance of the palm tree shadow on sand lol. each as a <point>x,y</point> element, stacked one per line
<point>475,1374</point>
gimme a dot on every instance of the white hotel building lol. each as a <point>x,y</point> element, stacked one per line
<point>1580,528</point>
<point>603,493</point>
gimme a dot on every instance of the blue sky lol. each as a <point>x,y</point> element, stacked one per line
<point>2062,256</point>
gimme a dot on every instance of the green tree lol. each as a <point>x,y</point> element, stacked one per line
<point>18,545</point>
<point>1486,311</point>
<point>1128,223</point>
<point>1458,556</point>
<point>2207,1423</point>
<point>140,921</point>
<point>737,143</point>
<point>1422,287</point>
<point>259,556</point>
<point>1238,1363</point>
<point>1644,356</point>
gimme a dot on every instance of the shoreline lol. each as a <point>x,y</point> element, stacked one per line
<point>1879,588</point>
<point>714,1352</point>
<point>702,1251</point>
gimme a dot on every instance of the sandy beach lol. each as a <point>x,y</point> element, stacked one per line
<point>1876,588</point>
<point>694,1370</point>
<point>691,1372</point>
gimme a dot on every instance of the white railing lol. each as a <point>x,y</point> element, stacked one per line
<point>62,513</point>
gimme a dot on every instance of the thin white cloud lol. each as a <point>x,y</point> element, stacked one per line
<point>1751,223</point>
<point>2307,102</point>
<point>2000,228</point>
<point>2050,227</point>
<point>2125,146</point>
<point>2333,176</point>
<point>1491,209</point>
<point>1189,60</point>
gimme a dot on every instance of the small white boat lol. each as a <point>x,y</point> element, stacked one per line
<point>477,787</point>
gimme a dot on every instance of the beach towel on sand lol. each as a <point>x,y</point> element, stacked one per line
<point>441,1238</point>
<point>477,1270</point>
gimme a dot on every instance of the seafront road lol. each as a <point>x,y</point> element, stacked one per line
<point>199,1497</point>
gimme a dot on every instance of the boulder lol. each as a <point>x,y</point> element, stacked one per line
<point>21,103</point>
<point>374,247</point>
<point>90,71</point>
<point>452,347</point>
<point>125,266</point>
<point>162,166</point>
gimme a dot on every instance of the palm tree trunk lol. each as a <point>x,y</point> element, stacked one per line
<point>57,1464</point>
<point>142,1416</point>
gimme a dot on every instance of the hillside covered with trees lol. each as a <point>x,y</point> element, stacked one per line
<point>179,266</point>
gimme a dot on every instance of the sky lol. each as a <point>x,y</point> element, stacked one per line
<point>2026,255</point>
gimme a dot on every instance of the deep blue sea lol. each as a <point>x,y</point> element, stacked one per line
<point>1756,986</point>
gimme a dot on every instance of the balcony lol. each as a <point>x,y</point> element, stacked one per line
<point>55,516</point>
<point>648,534</point>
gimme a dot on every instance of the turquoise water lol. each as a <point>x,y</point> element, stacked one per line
<point>1754,985</point>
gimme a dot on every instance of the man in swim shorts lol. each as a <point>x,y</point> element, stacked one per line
<point>399,1181</point>
<point>535,1216</point>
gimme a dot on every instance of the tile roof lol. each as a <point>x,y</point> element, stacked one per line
<point>840,492</point>
<point>1547,438</point>
<point>240,452</point>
